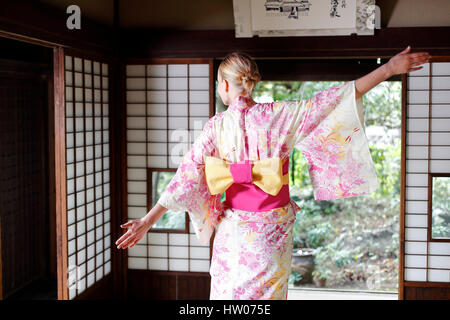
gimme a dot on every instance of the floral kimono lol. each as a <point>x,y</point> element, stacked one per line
<point>252,251</point>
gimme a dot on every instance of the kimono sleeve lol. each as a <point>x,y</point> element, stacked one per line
<point>329,131</point>
<point>188,191</point>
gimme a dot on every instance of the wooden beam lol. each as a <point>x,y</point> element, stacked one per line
<point>218,43</point>
<point>43,24</point>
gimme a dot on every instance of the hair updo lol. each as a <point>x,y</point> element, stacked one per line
<point>241,70</point>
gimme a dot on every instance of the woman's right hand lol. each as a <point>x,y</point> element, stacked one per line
<point>137,229</point>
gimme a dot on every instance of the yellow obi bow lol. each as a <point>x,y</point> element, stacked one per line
<point>267,174</point>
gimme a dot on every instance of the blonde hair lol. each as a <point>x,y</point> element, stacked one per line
<point>241,70</point>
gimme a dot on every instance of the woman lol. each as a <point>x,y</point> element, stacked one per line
<point>244,152</point>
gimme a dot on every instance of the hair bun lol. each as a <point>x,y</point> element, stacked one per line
<point>246,78</point>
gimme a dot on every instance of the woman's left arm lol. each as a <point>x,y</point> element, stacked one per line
<point>402,62</point>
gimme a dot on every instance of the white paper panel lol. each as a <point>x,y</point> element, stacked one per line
<point>136,135</point>
<point>440,166</point>
<point>71,232</point>
<point>90,251</point>
<point>199,265</point>
<point>78,66</point>
<point>178,264</point>
<point>156,135</point>
<point>178,239</point>
<point>417,166</point>
<point>199,70</point>
<point>413,138</point>
<point>138,251</point>
<point>417,179</point>
<point>81,242</point>
<point>416,207</point>
<point>199,109</point>
<point>136,174</point>
<point>68,62</point>
<point>178,123</point>
<point>177,70</point>
<point>416,193</point>
<point>417,152</point>
<point>88,81</point>
<point>137,263</point>
<point>90,237</point>
<point>135,83</point>
<point>416,261</point>
<point>156,84</point>
<point>156,97</point>
<point>157,161</point>
<point>137,187</point>
<point>136,148</point>
<point>105,109</point>
<point>157,251</point>
<point>157,238</point>
<point>156,70</point>
<point>135,70</point>
<point>199,83</point>
<point>70,216</point>
<point>440,68</point>
<point>156,123</point>
<point>156,149</point>
<point>415,274</point>
<point>97,83</point>
<point>176,83</point>
<point>157,264</point>
<point>418,83</point>
<point>90,223</point>
<point>177,110</point>
<point>414,220</point>
<point>177,96</point>
<point>105,70</point>
<point>199,96</point>
<point>440,248</point>
<point>136,96</point>
<point>441,262</point>
<point>134,123</point>
<point>107,267</point>
<point>199,253</point>
<point>69,94</point>
<point>439,275</point>
<point>156,109</point>
<point>413,247</point>
<point>137,212</point>
<point>415,234</point>
<point>137,199</point>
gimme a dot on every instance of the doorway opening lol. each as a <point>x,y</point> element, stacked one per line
<point>27,206</point>
<point>351,245</point>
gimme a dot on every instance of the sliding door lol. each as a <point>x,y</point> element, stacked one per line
<point>82,169</point>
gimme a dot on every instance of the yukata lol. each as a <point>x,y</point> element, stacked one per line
<point>252,249</point>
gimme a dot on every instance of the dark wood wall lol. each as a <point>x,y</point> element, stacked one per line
<point>26,225</point>
<point>161,285</point>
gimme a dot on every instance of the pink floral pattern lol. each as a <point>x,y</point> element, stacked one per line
<point>252,251</point>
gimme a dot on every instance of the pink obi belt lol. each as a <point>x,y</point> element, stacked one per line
<point>250,185</point>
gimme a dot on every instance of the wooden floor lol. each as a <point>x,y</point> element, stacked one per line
<point>330,294</point>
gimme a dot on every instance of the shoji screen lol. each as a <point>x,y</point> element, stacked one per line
<point>165,98</point>
<point>427,151</point>
<point>87,172</point>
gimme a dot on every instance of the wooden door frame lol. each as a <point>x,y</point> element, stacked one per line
<point>60,172</point>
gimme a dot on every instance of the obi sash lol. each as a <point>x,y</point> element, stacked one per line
<point>250,186</point>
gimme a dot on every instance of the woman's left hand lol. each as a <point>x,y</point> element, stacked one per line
<point>404,62</point>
